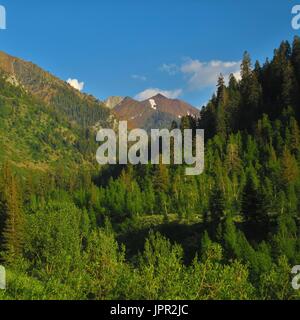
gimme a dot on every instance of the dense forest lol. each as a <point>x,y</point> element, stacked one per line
<point>72,231</point>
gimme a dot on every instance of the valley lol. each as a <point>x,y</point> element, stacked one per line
<point>71,229</point>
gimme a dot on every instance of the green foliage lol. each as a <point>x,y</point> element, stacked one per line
<point>54,239</point>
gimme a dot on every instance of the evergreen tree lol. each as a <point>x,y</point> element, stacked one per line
<point>290,169</point>
<point>221,103</point>
<point>252,200</point>
<point>217,205</point>
<point>296,57</point>
<point>251,93</point>
<point>13,228</point>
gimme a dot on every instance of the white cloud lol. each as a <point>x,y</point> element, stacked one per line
<point>205,74</point>
<point>139,77</point>
<point>151,92</point>
<point>76,84</point>
<point>238,75</point>
<point>171,69</point>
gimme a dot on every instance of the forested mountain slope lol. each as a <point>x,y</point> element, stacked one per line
<point>268,89</point>
<point>35,136</point>
<point>83,109</point>
<point>45,123</point>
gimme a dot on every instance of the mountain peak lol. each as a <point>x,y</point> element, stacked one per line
<point>155,112</point>
<point>159,96</point>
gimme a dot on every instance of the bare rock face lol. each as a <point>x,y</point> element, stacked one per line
<point>156,112</point>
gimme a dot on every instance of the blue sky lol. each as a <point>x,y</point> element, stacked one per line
<point>134,47</point>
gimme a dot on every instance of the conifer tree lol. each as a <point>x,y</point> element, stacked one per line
<point>290,87</point>
<point>251,199</point>
<point>221,101</point>
<point>290,169</point>
<point>217,205</point>
<point>13,229</point>
<point>251,93</point>
<point>296,57</point>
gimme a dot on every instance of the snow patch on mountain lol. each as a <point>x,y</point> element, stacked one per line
<point>153,104</point>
